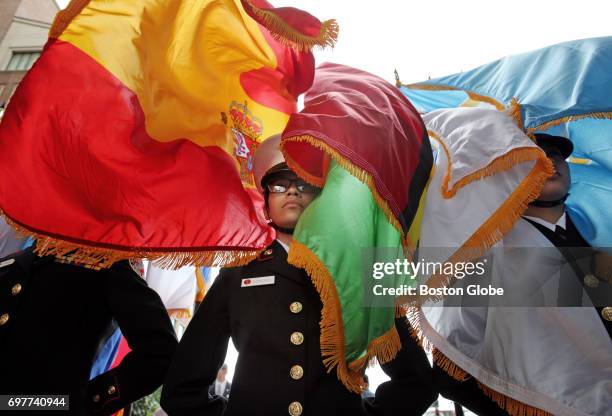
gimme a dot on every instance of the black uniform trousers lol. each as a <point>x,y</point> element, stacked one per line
<point>57,316</point>
<point>272,311</point>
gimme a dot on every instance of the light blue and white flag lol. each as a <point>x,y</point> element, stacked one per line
<point>565,90</point>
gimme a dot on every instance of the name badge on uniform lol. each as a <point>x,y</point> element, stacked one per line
<point>11,261</point>
<point>257,281</point>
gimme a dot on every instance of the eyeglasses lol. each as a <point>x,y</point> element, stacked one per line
<point>282,185</point>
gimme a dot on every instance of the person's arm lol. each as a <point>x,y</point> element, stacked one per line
<point>199,356</point>
<point>411,389</point>
<point>145,324</point>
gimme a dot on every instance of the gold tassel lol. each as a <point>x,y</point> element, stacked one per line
<point>499,164</point>
<point>64,17</point>
<point>401,311</point>
<point>545,126</point>
<point>361,174</point>
<point>492,230</point>
<point>318,181</point>
<point>514,111</point>
<point>414,319</point>
<point>332,329</point>
<point>510,405</point>
<point>99,257</point>
<point>383,348</point>
<point>280,30</point>
<point>449,367</point>
<point>285,34</point>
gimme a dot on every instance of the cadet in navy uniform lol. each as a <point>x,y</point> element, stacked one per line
<point>553,221</point>
<point>53,318</point>
<point>272,311</point>
<point>549,216</point>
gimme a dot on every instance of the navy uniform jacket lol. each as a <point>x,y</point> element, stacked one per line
<point>274,369</point>
<point>56,317</point>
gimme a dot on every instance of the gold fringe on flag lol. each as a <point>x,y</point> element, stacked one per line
<point>514,111</point>
<point>280,30</point>
<point>499,164</point>
<point>473,95</point>
<point>449,367</point>
<point>287,35</point>
<point>383,348</point>
<point>414,319</point>
<point>514,108</point>
<point>512,406</point>
<point>498,224</point>
<point>94,257</point>
<point>599,115</point>
<point>380,350</point>
<point>359,173</point>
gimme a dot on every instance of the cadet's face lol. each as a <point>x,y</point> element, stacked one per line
<point>557,186</point>
<point>285,208</point>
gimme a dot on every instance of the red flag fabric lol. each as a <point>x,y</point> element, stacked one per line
<point>133,134</point>
<point>343,114</point>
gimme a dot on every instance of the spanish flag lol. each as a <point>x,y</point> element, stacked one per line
<point>133,134</point>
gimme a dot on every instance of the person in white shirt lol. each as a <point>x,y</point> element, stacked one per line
<point>221,387</point>
<point>537,358</point>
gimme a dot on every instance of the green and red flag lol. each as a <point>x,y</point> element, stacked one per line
<point>363,142</point>
<point>132,135</point>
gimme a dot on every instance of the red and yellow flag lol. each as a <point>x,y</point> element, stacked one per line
<point>133,133</point>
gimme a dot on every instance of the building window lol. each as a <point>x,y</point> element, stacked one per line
<point>22,61</point>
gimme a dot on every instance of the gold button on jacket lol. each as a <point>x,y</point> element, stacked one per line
<point>111,390</point>
<point>4,318</point>
<point>96,398</point>
<point>606,313</point>
<point>591,281</point>
<point>297,338</point>
<point>297,372</point>
<point>295,409</point>
<point>295,307</point>
<point>16,289</point>
<point>274,340</point>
